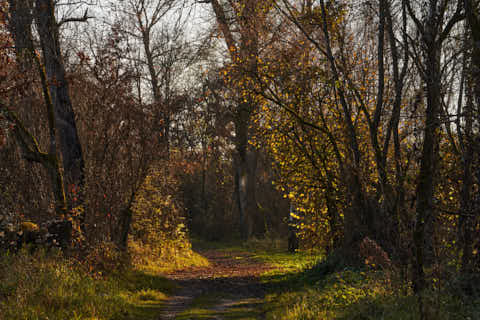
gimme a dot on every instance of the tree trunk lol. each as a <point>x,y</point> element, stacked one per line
<point>161,116</point>
<point>467,203</point>
<point>358,219</point>
<point>245,176</point>
<point>433,30</point>
<point>124,228</point>
<point>19,24</point>
<point>423,232</point>
<point>399,83</point>
<point>473,24</point>
<point>244,52</point>
<point>72,158</point>
<point>332,212</point>
<point>31,152</point>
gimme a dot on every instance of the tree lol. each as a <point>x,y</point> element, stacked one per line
<point>434,28</point>
<point>118,134</point>
<point>158,28</point>
<point>22,14</point>
<point>71,150</point>
<point>247,17</point>
<point>471,144</point>
<point>355,90</point>
<point>19,25</point>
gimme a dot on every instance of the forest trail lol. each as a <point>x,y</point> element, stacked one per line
<point>229,288</point>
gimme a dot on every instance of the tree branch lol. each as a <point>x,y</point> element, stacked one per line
<point>84,18</point>
<point>457,17</point>
<point>27,142</point>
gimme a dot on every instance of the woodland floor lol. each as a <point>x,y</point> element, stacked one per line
<point>230,288</point>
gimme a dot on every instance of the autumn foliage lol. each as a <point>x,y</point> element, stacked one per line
<point>353,124</point>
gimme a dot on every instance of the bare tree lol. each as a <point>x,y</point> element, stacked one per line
<point>158,29</point>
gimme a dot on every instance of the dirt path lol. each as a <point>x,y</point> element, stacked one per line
<point>228,289</point>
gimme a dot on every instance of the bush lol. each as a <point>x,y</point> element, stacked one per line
<point>106,256</point>
<point>157,214</point>
<point>159,236</point>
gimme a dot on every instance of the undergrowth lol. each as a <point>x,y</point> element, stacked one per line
<point>330,290</point>
<point>300,286</point>
<point>308,286</point>
<point>40,285</point>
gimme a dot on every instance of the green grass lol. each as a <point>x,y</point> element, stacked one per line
<point>200,308</point>
<point>300,286</point>
<point>326,292</point>
<point>144,294</point>
<point>305,286</point>
<point>286,268</point>
<point>41,287</point>
<point>341,295</point>
<point>270,251</point>
<point>49,286</point>
<point>212,306</point>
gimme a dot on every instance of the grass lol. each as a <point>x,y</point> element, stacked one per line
<point>325,292</point>
<point>212,306</point>
<point>166,258</point>
<point>305,286</point>
<point>346,294</point>
<point>49,286</point>
<point>285,267</point>
<point>301,286</point>
<point>42,286</point>
<point>200,308</point>
<point>144,294</point>
<point>270,251</point>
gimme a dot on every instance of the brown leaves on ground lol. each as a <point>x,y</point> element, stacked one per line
<point>223,264</point>
<point>232,275</point>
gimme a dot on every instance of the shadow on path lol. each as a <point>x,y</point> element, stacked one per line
<point>228,289</point>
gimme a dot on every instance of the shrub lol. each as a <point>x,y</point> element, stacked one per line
<point>157,214</point>
<point>159,236</point>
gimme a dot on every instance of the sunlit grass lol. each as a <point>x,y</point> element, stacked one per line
<point>358,294</point>
<point>330,297</point>
<point>306,286</point>
<point>269,251</point>
<point>166,258</point>
<point>42,286</point>
<point>50,286</point>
